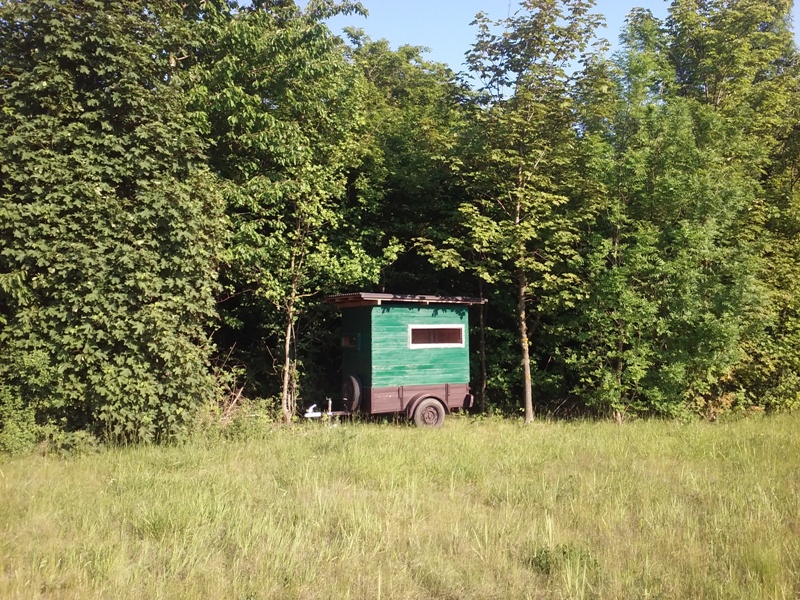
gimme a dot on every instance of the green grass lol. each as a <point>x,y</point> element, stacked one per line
<point>478,509</point>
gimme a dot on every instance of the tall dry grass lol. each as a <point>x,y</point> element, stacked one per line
<point>478,509</point>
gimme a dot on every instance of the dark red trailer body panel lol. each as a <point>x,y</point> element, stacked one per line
<point>401,398</point>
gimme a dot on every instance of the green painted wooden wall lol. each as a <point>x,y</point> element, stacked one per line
<point>384,359</point>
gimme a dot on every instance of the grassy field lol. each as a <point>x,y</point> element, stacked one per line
<point>478,509</point>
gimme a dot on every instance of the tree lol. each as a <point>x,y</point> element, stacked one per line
<point>522,141</point>
<point>739,58</point>
<point>670,262</point>
<point>281,107</point>
<point>108,221</point>
<point>414,109</point>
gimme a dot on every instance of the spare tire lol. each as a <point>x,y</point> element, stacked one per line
<point>351,393</point>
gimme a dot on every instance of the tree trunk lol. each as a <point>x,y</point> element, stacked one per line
<point>522,313</point>
<point>287,399</point>
<point>527,386</point>
<point>288,389</point>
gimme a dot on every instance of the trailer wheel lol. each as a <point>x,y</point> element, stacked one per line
<point>429,413</point>
<point>351,393</point>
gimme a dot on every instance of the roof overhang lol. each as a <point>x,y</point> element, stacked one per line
<point>373,299</point>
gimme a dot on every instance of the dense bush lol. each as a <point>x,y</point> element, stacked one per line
<point>107,220</point>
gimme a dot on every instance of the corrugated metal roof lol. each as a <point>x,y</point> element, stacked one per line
<point>374,299</point>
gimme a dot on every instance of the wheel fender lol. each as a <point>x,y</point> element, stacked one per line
<point>415,400</point>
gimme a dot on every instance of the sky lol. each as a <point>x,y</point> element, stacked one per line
<point>443,25</point>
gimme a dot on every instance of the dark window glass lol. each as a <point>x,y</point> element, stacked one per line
<point>439,335</point>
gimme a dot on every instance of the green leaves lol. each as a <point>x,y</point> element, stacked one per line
<point>671,268</point>
<point>109,214</point>
<point>518,221</point>
<point>282,108</point>
<point>637,218</point>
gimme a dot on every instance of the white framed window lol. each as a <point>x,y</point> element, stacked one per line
<point>435,336</point>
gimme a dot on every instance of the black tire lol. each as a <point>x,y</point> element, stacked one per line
<point>429,413</point>
<point>351,393</point>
